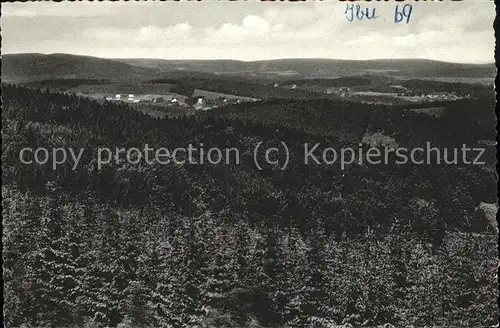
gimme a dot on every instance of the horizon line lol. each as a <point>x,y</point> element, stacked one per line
<point>250,61</point>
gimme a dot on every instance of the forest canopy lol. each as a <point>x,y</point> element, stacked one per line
<point>230,245</point>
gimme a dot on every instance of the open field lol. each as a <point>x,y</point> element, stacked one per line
<point>215,95</point>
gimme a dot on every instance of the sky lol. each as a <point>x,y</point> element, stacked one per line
<point>251,30</point>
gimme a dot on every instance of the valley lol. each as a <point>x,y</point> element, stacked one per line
<point>136,244</point>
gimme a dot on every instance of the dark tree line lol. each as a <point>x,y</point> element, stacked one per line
<point>228,245</point>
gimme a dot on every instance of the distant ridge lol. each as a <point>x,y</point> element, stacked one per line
<point>36,66</point>
<point>300,59</point>
<point>324,68</point>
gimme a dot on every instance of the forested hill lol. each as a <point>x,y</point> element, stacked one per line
<point>347,122</point>
<point>322,67</point>
<point>141,245</point>
<point>33,66</point>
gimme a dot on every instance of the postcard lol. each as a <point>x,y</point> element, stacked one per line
<point>238,164</point>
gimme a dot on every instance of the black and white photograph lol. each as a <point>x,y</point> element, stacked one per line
<point>249,164</point>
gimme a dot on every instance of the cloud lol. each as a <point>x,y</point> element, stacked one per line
<point>21,12</point>
<point>291,16</point>
<point>60,9</point>
<point>252,28</point>
<point>143,35</point>
<point>449,31</point>
<point>272,28</point>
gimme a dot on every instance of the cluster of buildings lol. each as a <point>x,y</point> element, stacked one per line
<point>435,96</point>
<point>401,93</point>
<point>132,99</point>
<point>123,98</point>
<point>339,91</point>
<point>196,102</point>
<point>290,86</point>
<point>204,103</point>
